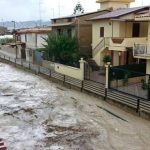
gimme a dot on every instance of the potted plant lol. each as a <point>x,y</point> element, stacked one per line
<point>106,59</point>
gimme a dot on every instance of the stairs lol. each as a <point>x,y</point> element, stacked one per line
<point>99,48</point>
<point>93,65</point>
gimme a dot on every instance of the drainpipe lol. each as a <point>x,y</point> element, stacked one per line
<point>112,28</point>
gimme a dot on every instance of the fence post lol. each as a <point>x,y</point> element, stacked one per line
<point>15,61</point>
<point>82,83</point>
<point>148,96</point>
<point>50,73</point>
<point>138,106</point>
<point>38,69</point>
<point>29,66</point>
<point>64,79</point>
<point>21,63</point>
<point>107,80</point>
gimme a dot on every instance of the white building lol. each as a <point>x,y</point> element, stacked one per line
<point>33,38</point>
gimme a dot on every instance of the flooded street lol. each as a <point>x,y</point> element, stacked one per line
<point>37,114</point>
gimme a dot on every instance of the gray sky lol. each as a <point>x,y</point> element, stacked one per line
<point>24,10</point>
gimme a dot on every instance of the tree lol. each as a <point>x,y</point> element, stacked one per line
<point>61,48</point>
<point>78,9</point>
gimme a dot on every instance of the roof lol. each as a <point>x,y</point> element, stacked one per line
<point>80,15</point>
<point>62,24</point>
<point>119,13</point>
<point>34,30</point>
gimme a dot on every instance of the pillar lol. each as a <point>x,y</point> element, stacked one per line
<point>81,61</point>
<point>148,66</point>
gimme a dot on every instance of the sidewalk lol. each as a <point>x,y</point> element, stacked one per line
<point>12,55</point>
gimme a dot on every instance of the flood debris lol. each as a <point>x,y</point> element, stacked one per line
<point>42,115</point>
<point>113,114</point>
<point>60,88</point>
<point>68,135</point>
<point>7,94</point>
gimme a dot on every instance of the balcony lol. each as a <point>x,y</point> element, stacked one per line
<point>141,51</point>
<point>120,44</point>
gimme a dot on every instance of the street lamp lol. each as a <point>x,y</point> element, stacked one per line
<point>14,33</point>
<point>14,24</point>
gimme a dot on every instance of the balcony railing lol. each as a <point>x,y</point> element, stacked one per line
<point>127,42</point>
<point>141,50</point>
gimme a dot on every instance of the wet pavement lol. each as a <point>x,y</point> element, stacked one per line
<point>37,114</point>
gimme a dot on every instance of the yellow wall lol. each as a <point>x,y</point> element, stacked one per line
<point>115,29</point>
<point>113,5</point>
<point>73,72</point>
<point>126,29</point>
<point>96,31</point>
<point>144,29</point>
<point>77,73</point>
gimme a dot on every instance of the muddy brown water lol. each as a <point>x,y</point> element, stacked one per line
<point>37,114</point>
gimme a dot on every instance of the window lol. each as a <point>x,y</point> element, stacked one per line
<point>101,31</point>
<point>25,38</point>
<point>70,19</point>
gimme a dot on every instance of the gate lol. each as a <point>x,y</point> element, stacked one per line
<point>94,73</point>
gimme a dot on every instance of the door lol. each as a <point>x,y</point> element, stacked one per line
<point>136,30</point>
<point>38,57</point>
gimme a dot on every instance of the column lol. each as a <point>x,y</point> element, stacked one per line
<point>82,68</point>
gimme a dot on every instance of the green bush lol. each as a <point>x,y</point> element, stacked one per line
<point>62,49</point>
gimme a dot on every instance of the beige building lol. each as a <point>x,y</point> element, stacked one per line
<point>120,32</point>
<point>77,26</point>
<point>3,30</point>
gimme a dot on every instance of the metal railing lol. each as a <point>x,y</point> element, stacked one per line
<point>101,45</point>
<point>142,50</point>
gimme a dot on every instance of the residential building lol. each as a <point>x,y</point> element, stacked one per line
<point>142,49</point>
<point>77,26</point>
<point>33,39</point>
<point>115,33</point>
<point>3,30</point>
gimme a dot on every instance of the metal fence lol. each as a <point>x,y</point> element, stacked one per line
<point>133,83</point>
<point>132,91</point>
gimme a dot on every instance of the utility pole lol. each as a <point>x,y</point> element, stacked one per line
<point>40,12</point>
<point>14,33</point>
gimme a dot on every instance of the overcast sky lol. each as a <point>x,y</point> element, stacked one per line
<point>24,10</point>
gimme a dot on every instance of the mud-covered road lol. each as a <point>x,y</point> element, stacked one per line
<point>36,114</point>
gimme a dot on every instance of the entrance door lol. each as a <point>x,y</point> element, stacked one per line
<point>136,30</point>
<point>130,59</point>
